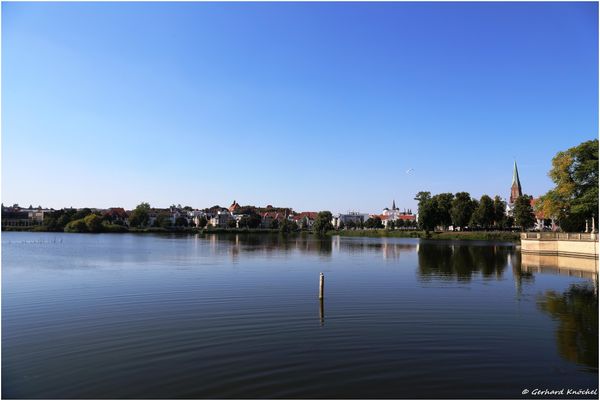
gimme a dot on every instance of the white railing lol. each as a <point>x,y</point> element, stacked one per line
<point>561,236</point>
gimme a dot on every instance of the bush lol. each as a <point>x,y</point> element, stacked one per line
<point>76,226</point>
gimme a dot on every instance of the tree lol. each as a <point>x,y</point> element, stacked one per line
<point>93,223</point>
<point>322,223</point>
<point>427,211</point>
<point>483,215</point>
<point>287,226</point>
<point>76,226</point>
<point>181,222</point>
<point>523,212</point>
<point>374,222</point>
<point>575,195</point>
<point>499,212</point>
<point>140,215</point>
<point>202,222</point>
<point>341,225</point>
<point>232,223</point>
<point>428,217</point>
<point>444,206</point>
<point>462,209</point>
<point>163,220</point>
<point>80,214</point>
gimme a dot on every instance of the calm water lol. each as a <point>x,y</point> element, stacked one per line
<point>143,316</point>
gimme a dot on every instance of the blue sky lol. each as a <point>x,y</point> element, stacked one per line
<point>309,105</point>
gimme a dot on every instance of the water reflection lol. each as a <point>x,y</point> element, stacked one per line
<point>461,262</point>
<point>576,311</point>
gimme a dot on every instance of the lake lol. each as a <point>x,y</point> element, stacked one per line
<point>238,316</point>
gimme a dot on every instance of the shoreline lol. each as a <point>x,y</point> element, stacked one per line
<point>378,233</point>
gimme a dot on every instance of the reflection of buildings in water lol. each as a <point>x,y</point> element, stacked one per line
<point>389,249</point>
<point>563,265</point>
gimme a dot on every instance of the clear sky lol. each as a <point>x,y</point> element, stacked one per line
<point>314,106</point>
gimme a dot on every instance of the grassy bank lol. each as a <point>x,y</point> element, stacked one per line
<point>464,235</point>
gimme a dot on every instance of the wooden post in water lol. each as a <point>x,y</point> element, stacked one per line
<point>321,285</point>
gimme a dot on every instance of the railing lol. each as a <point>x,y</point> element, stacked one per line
<point>561,236</point>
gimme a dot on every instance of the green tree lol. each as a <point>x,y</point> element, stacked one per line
<point>232,223</point>
<point>140,215</point>
<point>428,214</point>
<point>575,195</point>
<point>374,222</point>
<point>483,215</point>
<point>80,214</point>
<point>428,211</point>
<point>181,222</point>
<point>163,220</point>
<point>274,224</point>
<point>287,226</point>
<point>462,209</point>
<point>499,212</point>
<point>93,223</point>
<point>444,207</point>
<point>322,223</point>
<point>76,226</point>
<point>523,212</point>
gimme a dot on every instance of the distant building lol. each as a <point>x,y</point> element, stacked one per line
<point>354,217</point>
<point>394,214</point>
<point>17,216</point>
<point>515,191</point>
<point>305,218</point>
<point>234,207</point>
<point>267,218</point>
<point>221,219</point>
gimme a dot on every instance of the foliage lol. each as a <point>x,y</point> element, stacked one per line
<point>232,223</point>
<point>76,226</point>
<point>287,226</point>
<point>93,223</point>
<point>462,209</point>
<point>252,220</point>
<point>373,222</point>
<point>575,195</point>
<point>443,203</point>
<point>576,311</point>
<point>499,212</point>
<point>523,212</point>
<point>483,215</point>
<point>140,215</point>
<point>181,222</point>
<point>202,222</point>
<point>322,223</point>
<point>163,220</point>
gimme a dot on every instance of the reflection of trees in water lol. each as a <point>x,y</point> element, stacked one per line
<point>576,311</point>
<point>461,261</point>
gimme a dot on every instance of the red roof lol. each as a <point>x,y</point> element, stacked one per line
<point>308,215</point>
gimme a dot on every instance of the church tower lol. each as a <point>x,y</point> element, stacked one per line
<point>515,189</point>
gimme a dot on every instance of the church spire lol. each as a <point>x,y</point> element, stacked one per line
<point>515,189</point>
<point>394,204</point>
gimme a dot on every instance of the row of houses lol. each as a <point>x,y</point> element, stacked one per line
<point>233,216</point>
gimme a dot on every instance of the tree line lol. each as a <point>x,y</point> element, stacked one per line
<point>461,211</point>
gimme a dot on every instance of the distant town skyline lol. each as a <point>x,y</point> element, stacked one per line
<point>313,106</point>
